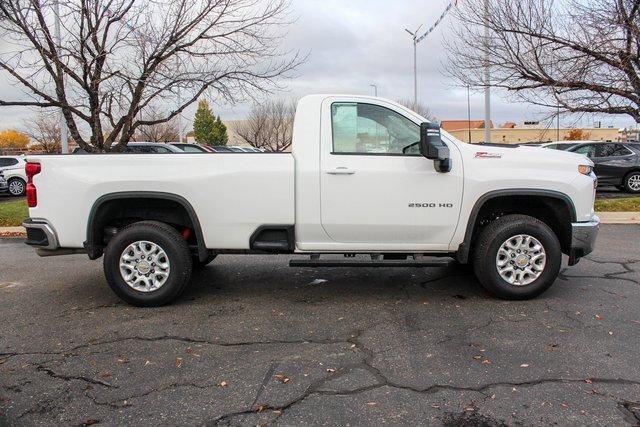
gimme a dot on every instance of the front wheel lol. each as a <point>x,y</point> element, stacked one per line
<point>147,264</point>
<point>632,182</point>
<point>517,257</point>
<point>17,187</point>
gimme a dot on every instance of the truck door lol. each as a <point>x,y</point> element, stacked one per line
<point>376,188</point>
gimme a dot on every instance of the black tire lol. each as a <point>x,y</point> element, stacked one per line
<point>17,187</point>
<point>176,250</point>
<point>489,243</point>
<point>627,182</point>
<point>201,264</point>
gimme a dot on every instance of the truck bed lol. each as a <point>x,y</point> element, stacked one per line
<point>233,194</point>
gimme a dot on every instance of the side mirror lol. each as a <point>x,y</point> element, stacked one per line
<point>432,147</point>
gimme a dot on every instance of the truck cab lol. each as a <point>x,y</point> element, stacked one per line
<point>367,178</point>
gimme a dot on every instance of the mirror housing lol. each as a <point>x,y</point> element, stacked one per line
<point>432,147</point>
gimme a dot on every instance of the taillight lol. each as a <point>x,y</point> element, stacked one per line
<point>31,170</point>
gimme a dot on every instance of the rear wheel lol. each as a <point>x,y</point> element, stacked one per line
<point>17,187</point>
<point>632,182</point>
<point>147,264</point>
<point>517,257</point>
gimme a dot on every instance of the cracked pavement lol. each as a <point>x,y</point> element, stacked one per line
<point>255,342</point>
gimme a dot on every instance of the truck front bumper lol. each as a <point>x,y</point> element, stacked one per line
<point>583,238</point>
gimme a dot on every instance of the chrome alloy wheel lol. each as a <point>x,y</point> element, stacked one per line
<point>16,187</point>
<point>521,259</point>
<point>634,182</point>
<point>144,266</point>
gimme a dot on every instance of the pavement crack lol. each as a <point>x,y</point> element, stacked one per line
<point>64,377</point>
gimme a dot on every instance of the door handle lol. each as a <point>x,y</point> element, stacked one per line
<point>341,171</point>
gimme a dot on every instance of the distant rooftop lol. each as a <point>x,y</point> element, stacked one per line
<point>450,125</point>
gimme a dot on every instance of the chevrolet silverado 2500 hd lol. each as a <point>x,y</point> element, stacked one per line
<point>367,179</point>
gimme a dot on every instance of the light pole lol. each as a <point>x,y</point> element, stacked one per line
<point>469,111</point>
<point>487,76</point>
<point>375,89</point>
<point>414,36</point>
<point>64,137</point>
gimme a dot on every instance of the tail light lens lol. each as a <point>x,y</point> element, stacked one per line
<point>31,170</point>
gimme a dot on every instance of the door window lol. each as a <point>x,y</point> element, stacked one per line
<point>8,162</point>
<point>611,150</point>
<point>371,129</point>
<point>587,150</point>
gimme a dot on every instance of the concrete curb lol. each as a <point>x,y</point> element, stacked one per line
<point>605,218</point>
<point>619,217</point>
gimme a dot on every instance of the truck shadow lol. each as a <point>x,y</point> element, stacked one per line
<point>268,278</point>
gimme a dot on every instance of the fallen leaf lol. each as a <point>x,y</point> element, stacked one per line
<point>330,370</point>
<point>282,378</point>
<point>178,362</point>
<point>371,403</point>
<point>222,384</point>
<point>192,353</point>
<point>610,332</point>
<point>564,405</point>
<point>588,381</point>
<point>147,362</point>
<point>524,365</point>
<point>477,357</point>
<point>261,408</point>
<point>486,362</point>
<point>598,317</point>
<point>123,360</point>
<point>90,422</point>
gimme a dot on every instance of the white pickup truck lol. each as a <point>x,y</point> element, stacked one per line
<point>368,183</point>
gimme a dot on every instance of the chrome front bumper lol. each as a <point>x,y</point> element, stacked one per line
<point>583,238</point>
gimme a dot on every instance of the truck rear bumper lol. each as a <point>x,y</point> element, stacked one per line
<point>583,238</point>
<point>40,233</point>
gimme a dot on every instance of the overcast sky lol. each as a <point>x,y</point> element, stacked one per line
<point>355,43</point>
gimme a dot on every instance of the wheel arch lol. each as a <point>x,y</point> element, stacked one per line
<point>94,244</point>
<point>511,195</point>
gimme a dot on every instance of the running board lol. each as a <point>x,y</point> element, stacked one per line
<point>372,263</point>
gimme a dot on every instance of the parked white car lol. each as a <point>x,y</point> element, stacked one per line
<point>367,178</point>
<point>13,170</point>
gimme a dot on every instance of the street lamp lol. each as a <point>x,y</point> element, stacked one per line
<point>375,89</point>
<point>414,36</point>
<point>487,76</point>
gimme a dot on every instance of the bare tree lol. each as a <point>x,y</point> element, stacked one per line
<point>269,125</point>
<point>579,56</point>
<point>419,108</point>
<point>158,131</point>
<point>118,57</point>
<point>44,129</point>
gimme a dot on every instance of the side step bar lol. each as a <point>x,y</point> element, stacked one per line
<point>369,263</point>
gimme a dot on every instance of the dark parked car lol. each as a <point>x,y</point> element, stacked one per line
<point>143,148</point>
<point>191,148</point>
<point>615,163</point>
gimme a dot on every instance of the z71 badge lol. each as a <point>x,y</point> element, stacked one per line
<point>487,155</point>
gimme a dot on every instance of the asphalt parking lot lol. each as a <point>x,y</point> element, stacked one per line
<point>256,342</point>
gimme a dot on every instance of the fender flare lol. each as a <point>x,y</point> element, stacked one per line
<point>95,251</point>
<point>462,254</point>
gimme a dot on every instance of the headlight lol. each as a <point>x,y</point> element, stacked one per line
<point>585,169</point>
